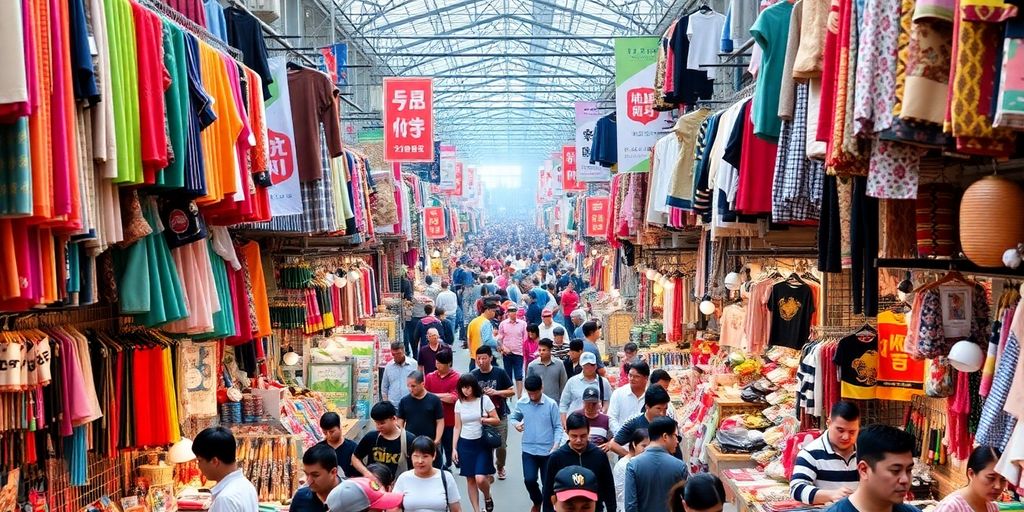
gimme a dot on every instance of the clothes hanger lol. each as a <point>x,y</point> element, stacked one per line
<point>705,8</point>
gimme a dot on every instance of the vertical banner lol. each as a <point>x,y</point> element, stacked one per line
<point>333,60</point>
<point>587,115</point>
<point>285,197</point>
<point>638,125</point>
<point>598,210</point>
<point>570,180</point>
<point>457,188</point>
<point>433,220</point>
<point>447,167</point>
<point>408,119</point>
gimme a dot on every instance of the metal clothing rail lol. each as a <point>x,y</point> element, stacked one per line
<point>192,27</point>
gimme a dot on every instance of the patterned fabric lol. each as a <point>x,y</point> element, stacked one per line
<point>929,57</point>
<point>1010,107</point>
<point>893,170</point>
<point>903,52</point>
<point>843,158</point>
<point>876,66</point>
<point>798,180</point>
<point>996,425</point>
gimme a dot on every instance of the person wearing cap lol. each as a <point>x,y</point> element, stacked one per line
<point>652,474</point>
<point>548,325</point>
<point>215,449</point>
<point>362,495</point>
<point>600,432</point>
<point>320,464</point>
<point>511,339</point>
<point>536,416</point>
<point>572,395</point>
<point>578,450</point>
<point>550,370</point>
<point>575,490</point>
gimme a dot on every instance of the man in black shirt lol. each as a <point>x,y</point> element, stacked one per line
<point>421,413</point>
<point>388,445</point>
<point>572,358</point>
<point>497,385</point>
<point>656,404</point>
<point>344,448</point>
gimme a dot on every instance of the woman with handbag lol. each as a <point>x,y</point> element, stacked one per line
<point>426,488</point>
<point>475,420</point>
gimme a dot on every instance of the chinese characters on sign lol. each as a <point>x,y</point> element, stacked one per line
<point>457,189</point>
<point>408,120</point>
<point>638,126</point>
<point>570,183</point>
<point>433,221</point>
<point>285,193</point>
<point>587,114</point>
<point>598,216</point>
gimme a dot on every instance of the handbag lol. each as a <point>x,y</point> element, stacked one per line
<point>490,433</point>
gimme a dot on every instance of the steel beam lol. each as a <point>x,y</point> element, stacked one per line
<point>422,15</point>
<point>493,55</point>
<point>498,37</point>
<point>512,77</point>
<point>586,15</point>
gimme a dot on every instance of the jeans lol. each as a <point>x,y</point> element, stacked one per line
<point>445,450</point>
<point>502,452</point>
<point>532,465</point>
<point>410,333</point>
<point>513,364</point>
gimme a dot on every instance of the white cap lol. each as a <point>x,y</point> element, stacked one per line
<point>588,358</point>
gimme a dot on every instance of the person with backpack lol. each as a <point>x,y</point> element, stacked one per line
<point>424,487</point>
<point>572,395</point>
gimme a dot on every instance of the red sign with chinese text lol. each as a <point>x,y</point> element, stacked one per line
<point>433,222</point>
<point>457,189</point>
<point>598,216</point>
<point>408,119</point>
<point>640,105</point>
<point>569,183</point>
<point>281,162</point>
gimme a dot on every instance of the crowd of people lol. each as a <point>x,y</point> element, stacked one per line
<point>588,443</point>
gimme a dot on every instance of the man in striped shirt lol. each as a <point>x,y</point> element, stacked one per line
<point>826,468</point>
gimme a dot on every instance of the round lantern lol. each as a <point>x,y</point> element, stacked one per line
<point>991,220</point>
<point>966,356</point>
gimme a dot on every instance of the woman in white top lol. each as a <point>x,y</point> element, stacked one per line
<point>472,455</point>
<point>637,444</point>
<point>426,488</point>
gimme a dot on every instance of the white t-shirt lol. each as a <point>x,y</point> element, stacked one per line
<point>705,33</point>
<point>469,413</point>
<point>549,332</point>
<point>426,494</point>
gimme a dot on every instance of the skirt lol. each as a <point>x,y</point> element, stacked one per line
<point>475,457</point>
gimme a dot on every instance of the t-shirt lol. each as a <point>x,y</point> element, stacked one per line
<point>427,357</point>
<point>427,494</point>
<point>345,452</point>
<point>473,334</point>
<point>631,425</point>
<point>857,359</point>
<point>704,31</point>
<point>900,376</point>
<point>844,505</point>
<point>771,32</point>
<point>497,379</point>
<point>436,384</point>
<point>469,413</point>
<point>313,105</point>
<point>373,447</point>
<point>791,307</point>
<point>603,150</point>
<point>600,428</point>
<point>421,414</point>
<point>570,301</point>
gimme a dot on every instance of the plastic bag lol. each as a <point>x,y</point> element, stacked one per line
<point>739,439</point>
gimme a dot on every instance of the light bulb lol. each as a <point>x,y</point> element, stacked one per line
<point>707,307</point>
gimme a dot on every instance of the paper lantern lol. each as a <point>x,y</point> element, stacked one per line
<point>181,452</point>
<point>966,356</point>
<point>732,281</point>
<point>707,307</point>
<point>991,220</point>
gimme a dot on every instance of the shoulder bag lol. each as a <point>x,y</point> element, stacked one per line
<point>490,433</point>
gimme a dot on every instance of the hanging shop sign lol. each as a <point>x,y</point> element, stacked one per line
<point>638,126</point>
<point>587,115</point>
<point>570,173</point>
<point>598,215</point>
<point>433,219</point>
<point>333,60</point>
<point>447,167</point>
<point>408,119</point>
<point>456,189</point>
<point>285,196</point>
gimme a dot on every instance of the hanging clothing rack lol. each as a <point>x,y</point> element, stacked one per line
<point>194,28</point>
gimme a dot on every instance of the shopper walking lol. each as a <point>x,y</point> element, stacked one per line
<point>498,387</point>
<point>425,488</point>
<point>215,449</point>
<point>572,396</point>
<point>344,449</point>
<point>481,331</point>
<point>531,345</point>
<point>428,322</point>
<point>364,495</point>
<point>650,475</point>
<point>420,412</point>
<point>637,444</point>
<point>575,490</point>
<point>578,450</point>
<point>536,416</point>
<point>628,401</point>
<point>511,340</point>
<point>702,492</point>
<point>547,324</point>
<point>598,421</point>
<point>443,383</point>
<point>392,384</point>
<point>656,402</point>
<point>591,335</point>
<point>427,356</point>
<point>320,465</point>
<point>629,357</point>
<point>550,370</point>
<point>472,455</point>
<point>885,463</point>
<point>388,445</point>
<point>449,302</point>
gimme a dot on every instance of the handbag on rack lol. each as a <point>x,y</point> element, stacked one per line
<point>490,433</point>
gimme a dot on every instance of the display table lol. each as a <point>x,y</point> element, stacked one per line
<point>719,463</point>
<point>742,486</point>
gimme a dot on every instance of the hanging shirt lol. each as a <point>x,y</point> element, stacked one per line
<point>704,32</point>
<point>313,105</point>
<point>900,377</point>
<point>857,359</point>
<point>771,32</point>
<point>792,307</point>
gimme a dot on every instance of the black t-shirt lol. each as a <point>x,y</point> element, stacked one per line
<point>571,368</point>
<point>373,447</point>
<point>631,425</point>
<point>345,451</point>
<point>495,379</point>
<point>421,414</point>
<point>857,359</point>
<point>792,307</point>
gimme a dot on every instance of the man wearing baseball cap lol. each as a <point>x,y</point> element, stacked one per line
<point>599,422</point>
<point>575,490</point>
<point>362,495</point>
<point>572,396</point>
<point>547,323</point>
